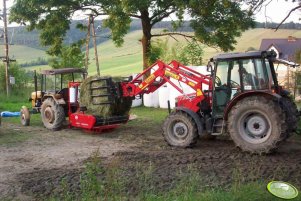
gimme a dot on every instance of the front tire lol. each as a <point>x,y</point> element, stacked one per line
<point>25,116</point>
<point>52,114</point>
<point>256,125</point>
<point>179,130</point>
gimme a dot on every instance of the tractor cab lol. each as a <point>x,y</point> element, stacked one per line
<point>52,91</point>
<point>238,74</point>
<point>54,84</point>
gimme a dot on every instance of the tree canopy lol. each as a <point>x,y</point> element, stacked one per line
<point>215,22</point>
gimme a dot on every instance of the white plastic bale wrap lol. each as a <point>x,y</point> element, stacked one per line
<point>163,96</point>
<point>151,99</point>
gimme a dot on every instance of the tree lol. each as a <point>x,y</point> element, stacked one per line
<point>188,54</point>
<point>69,56</point>
<point>216,22</point>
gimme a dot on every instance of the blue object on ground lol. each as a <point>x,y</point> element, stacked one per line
<point>10,114</point>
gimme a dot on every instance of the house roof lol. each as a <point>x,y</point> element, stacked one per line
<point>284,46</point>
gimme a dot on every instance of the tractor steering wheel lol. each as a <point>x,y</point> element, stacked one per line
<point>234,84</point>
<point>217,81</point>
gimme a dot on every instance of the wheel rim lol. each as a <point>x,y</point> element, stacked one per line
<point>180,130</point>
<point>49,115</point>
<point>254,127</point>
<point>23,118</point>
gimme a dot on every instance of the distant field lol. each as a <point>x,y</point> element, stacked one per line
<point>38,68</point>
<point>23,53</point>
<point>128,58</point>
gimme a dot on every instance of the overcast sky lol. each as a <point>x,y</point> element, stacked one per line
<point>275,12</point>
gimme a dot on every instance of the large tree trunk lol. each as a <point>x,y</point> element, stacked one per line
<point>146,38</point>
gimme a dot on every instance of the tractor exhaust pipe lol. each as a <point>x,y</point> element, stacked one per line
<point>36,83</point>
<point>168,105</point>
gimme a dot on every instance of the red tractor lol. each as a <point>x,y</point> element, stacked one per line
<point>243,98</point>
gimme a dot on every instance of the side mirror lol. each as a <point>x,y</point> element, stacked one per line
<point>210,65</point>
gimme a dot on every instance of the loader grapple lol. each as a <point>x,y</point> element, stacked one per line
<point>95,123</point>
<point>107,90</point>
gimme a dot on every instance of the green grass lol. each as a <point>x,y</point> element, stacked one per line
<point>112,186</point>
<point>23,53</point>
<point>14,104</point>
<point>13,137</point>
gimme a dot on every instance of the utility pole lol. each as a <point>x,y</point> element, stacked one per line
<point>6,60</point>
<point>87,43</point>
<point>95,47</point>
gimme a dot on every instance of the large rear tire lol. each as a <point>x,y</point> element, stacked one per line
<point>52,114</point>
<point>256,125</point>
<point>292,115</point>
<point>179,130</point>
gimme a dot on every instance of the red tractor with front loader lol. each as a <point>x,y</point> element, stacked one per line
<point>243,98</point>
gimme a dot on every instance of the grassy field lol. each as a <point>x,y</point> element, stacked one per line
<point>24,54</point>
<point>127,59</point>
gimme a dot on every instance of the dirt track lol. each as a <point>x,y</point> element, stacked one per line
<point>37,166</point>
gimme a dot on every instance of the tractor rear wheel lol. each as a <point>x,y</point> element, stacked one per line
<point>179,130</point>
<point>292,115</point>
<point>52,114</point>
<point>256,125</point>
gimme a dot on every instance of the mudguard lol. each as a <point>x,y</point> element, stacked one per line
<point>241,96</point>
<point>199,122</point>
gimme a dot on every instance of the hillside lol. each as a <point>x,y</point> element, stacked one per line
<point>128,58</point>
<point>24,53</point>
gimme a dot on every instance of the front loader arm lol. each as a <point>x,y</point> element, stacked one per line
<point>160,73</point>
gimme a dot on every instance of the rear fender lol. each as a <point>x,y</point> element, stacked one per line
<point>57,98</point>
<point>199,122</point>
<point>239,97</point>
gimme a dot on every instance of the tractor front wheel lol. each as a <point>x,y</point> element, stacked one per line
<point>25,116</point>
<point>179,130</point>
<point>256,125</point>
<point>52,114</point>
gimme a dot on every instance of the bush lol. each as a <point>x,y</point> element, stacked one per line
<point>22,78</point>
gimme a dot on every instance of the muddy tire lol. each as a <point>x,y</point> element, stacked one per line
<point>52,114</point>
<point>25,116</point>
<point>292,115</point>
<point>256,125</point>
<point>179,130</point>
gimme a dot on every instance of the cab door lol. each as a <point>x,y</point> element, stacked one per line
<point>227,84</point>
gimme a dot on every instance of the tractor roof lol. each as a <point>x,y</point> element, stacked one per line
<point>240,55</point>
<point>63,71</point>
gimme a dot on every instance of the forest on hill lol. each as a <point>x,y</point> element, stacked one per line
<point>20,35</point>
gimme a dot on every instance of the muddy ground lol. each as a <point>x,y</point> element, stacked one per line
<point>35,167</point>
